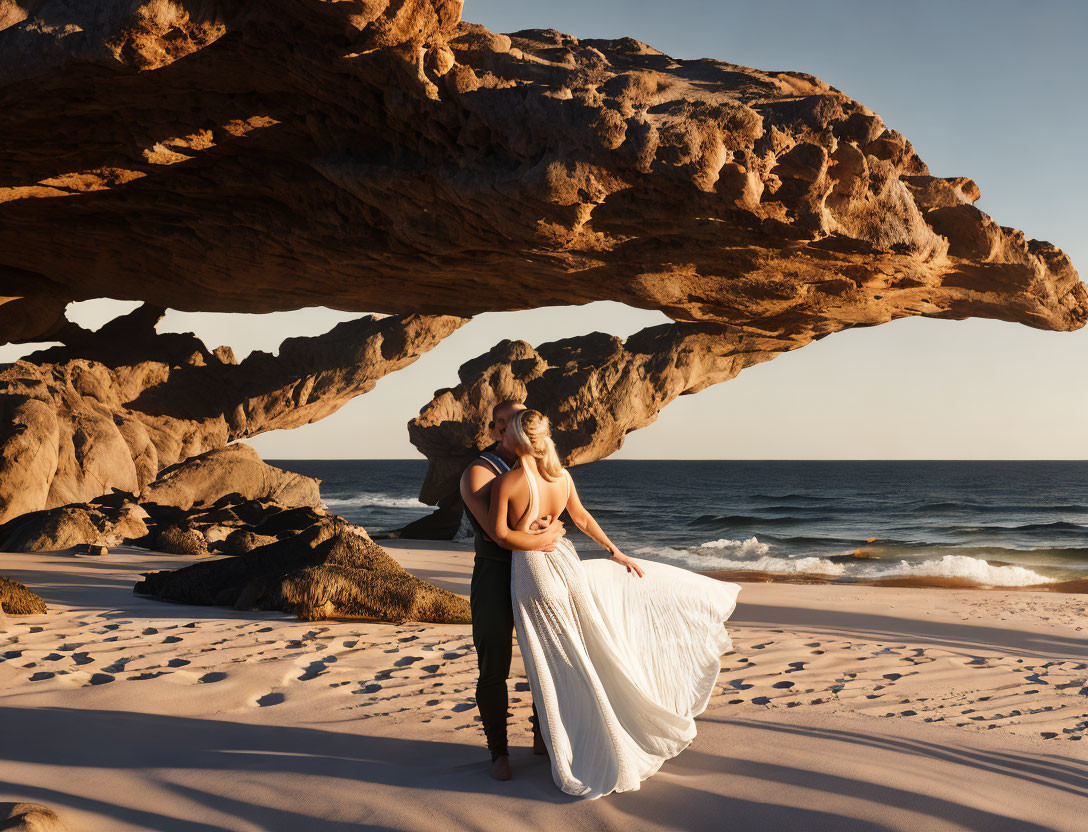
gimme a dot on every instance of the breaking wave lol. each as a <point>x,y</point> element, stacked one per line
<point>374,498</point>
<point>751,546</point>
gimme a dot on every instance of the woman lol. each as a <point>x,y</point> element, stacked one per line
<point>622,654</point>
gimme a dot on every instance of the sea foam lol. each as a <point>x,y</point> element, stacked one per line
<point>961,566</point>
<point>751,546</point>
<point>377,498</point>
<point>806,566</point>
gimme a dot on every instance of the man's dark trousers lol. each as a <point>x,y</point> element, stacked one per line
<point>493,636</point>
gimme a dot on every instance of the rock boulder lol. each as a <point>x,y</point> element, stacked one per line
<point>16,599</point>
<point>324,571</point>
<point>235,469</point>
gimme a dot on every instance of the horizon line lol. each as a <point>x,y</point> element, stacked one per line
<point>689,459</point>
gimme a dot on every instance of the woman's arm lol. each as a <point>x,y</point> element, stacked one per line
<point>588,524</point>
<point>499,530</point>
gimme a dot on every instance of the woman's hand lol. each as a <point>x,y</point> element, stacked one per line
<point>624,561</point>
<point>549,529</point>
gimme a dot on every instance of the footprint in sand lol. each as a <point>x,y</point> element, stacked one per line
<point>521,686</point>
<point>12,654</point>
<point>100,679</point>
<point>150,631</point>
<point>52,657</point>
<point>271,699</point>
<point>171,640</point>
<point>795,666</point>
<point>782,685</point>
<point>740,685</point>
<point>407,660</point>
<point>118,666</point>
<point>209,678</point>
<point>177,663</point>
<point>371,688</point>
<point>761,700</point>
<point>431,668</point>
<point>149,675</point>
<point>462,707</point>
<point>350,643</point>
<point>313,670</point>
<point>41,676</point>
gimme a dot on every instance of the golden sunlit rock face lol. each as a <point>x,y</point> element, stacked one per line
<point>111,409</point>
<point>595,389</point>
<point>387,156</point>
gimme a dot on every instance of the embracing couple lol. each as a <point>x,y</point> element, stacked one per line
<point>622,654</point>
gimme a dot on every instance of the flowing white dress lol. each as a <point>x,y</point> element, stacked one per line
<point>619,665</point>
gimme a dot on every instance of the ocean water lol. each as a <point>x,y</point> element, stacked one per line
<point>997,523</point>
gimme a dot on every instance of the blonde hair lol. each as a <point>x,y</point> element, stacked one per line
<point>533,435</point>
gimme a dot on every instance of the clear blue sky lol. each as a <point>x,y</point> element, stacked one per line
<point>990,89</point>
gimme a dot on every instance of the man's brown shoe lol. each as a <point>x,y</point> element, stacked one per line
<point>500,768</point>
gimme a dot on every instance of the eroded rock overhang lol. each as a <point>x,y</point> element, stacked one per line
<point>386,156</point>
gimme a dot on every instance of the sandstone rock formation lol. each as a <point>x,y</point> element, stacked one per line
<point>113,408</point>
<point>180,540</point>
<point>230,526</point>
<point>234,469</point>
<point>595,389</point>
<point>325,571</point>
<point>387,156</point>
<point>52,530</point>
<point>29,817</point>
<point>77,525</point>
<point>16,599</point>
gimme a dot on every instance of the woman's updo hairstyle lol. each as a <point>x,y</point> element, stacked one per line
<point>533,435</point>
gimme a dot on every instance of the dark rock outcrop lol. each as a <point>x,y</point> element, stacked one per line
<point>51,530</point>
<point>388,156</point>
<point>16,599</point>
<point>113,408</point>
<point>240,541</point>
<point>180,540</point>
<point>109,523</point>
<point>234,472</point>
<point>441,524</point>
<point>29,817</point>
<point>324,571</point>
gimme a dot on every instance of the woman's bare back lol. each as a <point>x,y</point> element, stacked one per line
<point>553,497</point>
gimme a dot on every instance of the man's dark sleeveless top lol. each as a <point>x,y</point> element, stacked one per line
<point>486,548</point>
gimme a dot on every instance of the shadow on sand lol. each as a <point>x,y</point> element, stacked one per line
<point>275,777</point>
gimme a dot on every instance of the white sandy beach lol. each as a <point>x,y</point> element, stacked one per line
<point>842,707</point>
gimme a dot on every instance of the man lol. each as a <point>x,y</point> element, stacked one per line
<point>489,598</point>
